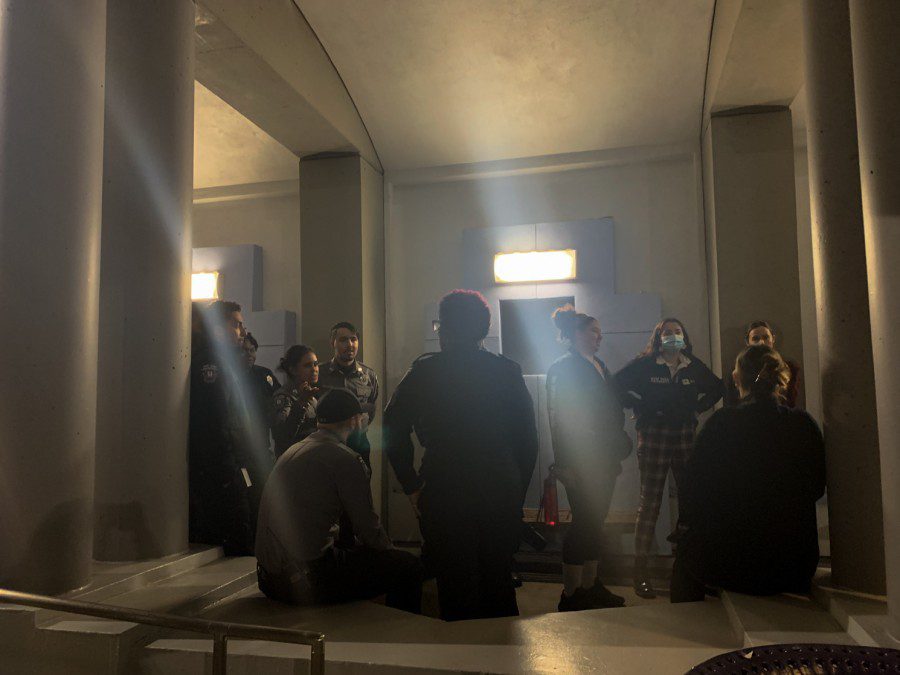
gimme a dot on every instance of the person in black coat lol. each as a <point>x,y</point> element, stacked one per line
<point>748,500</point>
<point>472,412</point>
<point>667,386</point>
<point>589,444</point>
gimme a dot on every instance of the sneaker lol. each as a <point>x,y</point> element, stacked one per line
<point>643,588</point>
<point>576,602</point>
<point>603,598</point>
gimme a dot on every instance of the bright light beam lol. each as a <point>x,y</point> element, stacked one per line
<point>512,268</point>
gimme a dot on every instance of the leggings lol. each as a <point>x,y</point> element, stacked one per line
<point>660,446</point>
<point>590,493</point>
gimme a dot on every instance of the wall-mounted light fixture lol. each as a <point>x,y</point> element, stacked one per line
<point>205,286</point>
<point>513,268</point>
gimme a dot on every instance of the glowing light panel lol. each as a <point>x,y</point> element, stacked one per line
<point>512,268</point>
<point>205,286</point>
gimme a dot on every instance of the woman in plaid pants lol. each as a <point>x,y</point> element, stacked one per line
<point>667,386</point>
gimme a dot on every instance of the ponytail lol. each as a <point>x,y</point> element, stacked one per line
<point>568,321</point>
<point>763,373</point>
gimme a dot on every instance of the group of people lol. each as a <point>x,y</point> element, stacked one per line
<point>747,483</point>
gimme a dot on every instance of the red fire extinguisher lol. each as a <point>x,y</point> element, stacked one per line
<point>548,511</point>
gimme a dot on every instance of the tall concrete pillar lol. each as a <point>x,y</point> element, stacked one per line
<point>752,230</point>
<point>51,161</point>
<point>342,266</point>
<point>142,407</point>
<point>875,30</point>
<point>839,262</point>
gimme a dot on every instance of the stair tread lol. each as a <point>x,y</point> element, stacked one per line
<point>187,593</point>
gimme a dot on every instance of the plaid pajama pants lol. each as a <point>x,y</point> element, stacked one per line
<point>660,446</point>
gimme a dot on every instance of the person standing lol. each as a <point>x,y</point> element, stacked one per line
<point>761,333</point>
<point>667,387</point>
<point>294,404</point>
<point>219,479</point>
<point>345,372</point>
<point>748,498</point>
<point>261,386</point>
<point>472,412</point>
<point>589,444</point>
<point>313,483</point>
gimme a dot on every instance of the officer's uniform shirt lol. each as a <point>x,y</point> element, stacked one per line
<point>359,379</point>
<point>473,413</point>
<point>293,419</point>
<point>214,423</point>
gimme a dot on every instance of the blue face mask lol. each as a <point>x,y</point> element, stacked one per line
<point>673,343</point>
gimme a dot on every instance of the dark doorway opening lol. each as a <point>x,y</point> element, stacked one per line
<point>527,333</point>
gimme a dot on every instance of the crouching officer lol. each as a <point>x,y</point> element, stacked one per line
<point>345,372</point>
<point>471,411</point>
<point>313,483</point>
<point>219,478</point>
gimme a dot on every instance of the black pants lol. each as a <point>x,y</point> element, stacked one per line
<point>470,548</point>
<point>685,586</point>
<point>590,493</point>
<point>344,576</point>
<point>220,513</point>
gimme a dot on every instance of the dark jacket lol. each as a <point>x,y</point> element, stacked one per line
<point>648,387</point>
<point>363,383</point>
<point>472,412</point>
<point>748,503</point>
<point>586,417</point>
<point>293,419</point>
<point>216,427</point>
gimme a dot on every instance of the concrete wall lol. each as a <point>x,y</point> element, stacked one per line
<point>754,221</point>
<point>230,150</point>
<point>653,197</point>
<point>269,221</point>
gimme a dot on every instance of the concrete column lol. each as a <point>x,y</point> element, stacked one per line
<point>875,29</point>
<point>51,160</point>
<point>839,262</point>
<point>342,266</point>
<point>142,408</point>
<point>752,230</point>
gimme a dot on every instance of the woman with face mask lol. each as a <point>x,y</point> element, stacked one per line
<point>589,444</point>
<point>667,387</point>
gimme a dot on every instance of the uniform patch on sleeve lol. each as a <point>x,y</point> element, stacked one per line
<point>209,373</point>
<point>269,379</point>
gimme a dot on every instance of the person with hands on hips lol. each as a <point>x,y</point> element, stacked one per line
<point>667,386</point>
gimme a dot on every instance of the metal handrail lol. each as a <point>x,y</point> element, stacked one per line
<point>220,630</point>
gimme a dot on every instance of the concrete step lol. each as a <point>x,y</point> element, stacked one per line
<point>111,579</point>
<point>864,617</point>
<point>366,637</point>
<point>75,644</point>
<point>782,618</point>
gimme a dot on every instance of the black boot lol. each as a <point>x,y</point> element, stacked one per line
<point>576,602</point>
<point>603,598</point>
<point>642,586</point>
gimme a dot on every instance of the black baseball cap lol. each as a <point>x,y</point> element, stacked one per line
<point>338,405</point>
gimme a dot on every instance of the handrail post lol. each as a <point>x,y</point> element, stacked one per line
<point>220,653</point>
<point>317,657</point>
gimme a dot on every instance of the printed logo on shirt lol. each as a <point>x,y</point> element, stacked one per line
<point>687,381</point>
<point>659,380</point>
<point>209,373</point>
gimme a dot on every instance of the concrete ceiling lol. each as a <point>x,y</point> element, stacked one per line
<point>441,82</point>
